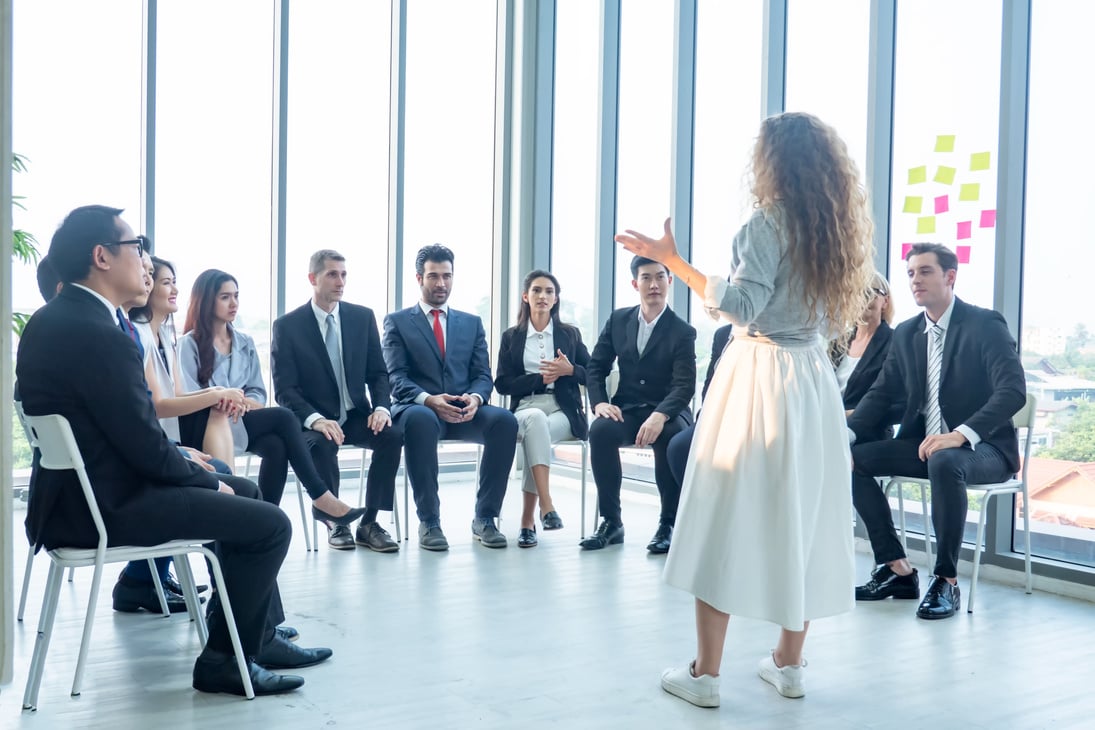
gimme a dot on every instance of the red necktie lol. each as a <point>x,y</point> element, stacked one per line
<point>438,334</point>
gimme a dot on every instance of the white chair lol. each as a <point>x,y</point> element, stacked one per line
<point>60,452</point>
<point>1024,424</point>
<point>71,571</point>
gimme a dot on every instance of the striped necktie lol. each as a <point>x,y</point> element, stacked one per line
<point>933,417</point>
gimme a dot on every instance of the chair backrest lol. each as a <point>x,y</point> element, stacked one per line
<point>55,440</point>
<point>1024,418</point>
<point>23,422</point>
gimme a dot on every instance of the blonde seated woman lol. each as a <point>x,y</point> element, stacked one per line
<point>541,364</point>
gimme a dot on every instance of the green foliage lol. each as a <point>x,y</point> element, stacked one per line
<point>20,449</point>
<point>1077,439</point>
<point>24,245</point>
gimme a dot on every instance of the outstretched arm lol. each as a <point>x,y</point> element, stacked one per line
<point>664,251</point>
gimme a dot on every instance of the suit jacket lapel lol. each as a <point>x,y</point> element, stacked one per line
<point>631,341</point>
<point>920,355</point>
<point>425,327</point>
<point>349,352</point>
<point>954,333</point>
<point>311,332</point>
<point>661,331</point>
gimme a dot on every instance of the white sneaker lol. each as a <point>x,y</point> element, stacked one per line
<point>787,680</point>
<point>702,691</point>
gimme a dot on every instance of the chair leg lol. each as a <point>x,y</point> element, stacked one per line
<point>304,518</point>
<point>45,633</point>
<point>160,593</point>
<point>900,510</point>
<point>1026,529</point>
<point>71,573</point>
<point>406,503</point>
<point>230,623</point>
<point>26,584</point>
<point>190,594</point>
<point>585,459</point>
<point>977,551</point>
<point>89,622</point>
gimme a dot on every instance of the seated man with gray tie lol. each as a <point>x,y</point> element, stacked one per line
<point>329,371</point>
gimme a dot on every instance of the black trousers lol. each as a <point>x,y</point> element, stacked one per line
<point>949,470</point>
<point>605,439</point>
<point>494,427</point>
<point>387,447</point>
<point>250,537</point>
<point>679,446</point>
<point>274,433</point>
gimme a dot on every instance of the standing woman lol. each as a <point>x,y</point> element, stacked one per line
<point>213,352</point>
<point>764,525</point>
<point>541,364</point>
<point>198,419</point>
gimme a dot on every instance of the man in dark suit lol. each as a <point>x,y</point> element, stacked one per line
<point>956,369</point>
<point>147,491</point>
<point>323,356</point>
<point>656,351</point>
<point>439,369</point>
<point>681,444</point>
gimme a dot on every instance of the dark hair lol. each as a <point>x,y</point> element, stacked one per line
<point>643,261</point>
<point>434,252</point>
<point>47,279</point>
<point>144,314</point>
<point>199,318</point>
<point>82,230</point>
<point>319,259</point>
<point>524,311</point>
<point>947,259</point>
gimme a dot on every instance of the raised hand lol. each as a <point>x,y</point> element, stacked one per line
<point>661,250</point>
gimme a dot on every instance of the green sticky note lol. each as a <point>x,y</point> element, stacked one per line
<point>979,161</point>
<point>913,204</point>
<point>918,174</point>
<point>944,174</point>
<point>944,143</point>
<point>970,191</point>
<point>925,224</point>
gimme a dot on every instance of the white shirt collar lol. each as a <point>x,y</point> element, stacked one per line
<point>427,308</point>
<point>944,321</point>
<point>321,316</point>
<point>642,320</point>
<point>106,302</point>
<point>532,331</point>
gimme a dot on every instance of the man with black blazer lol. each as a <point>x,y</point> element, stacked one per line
<point>439,370</point>
<point>147,491</point>
<point>323,357</point>
<point>956,369</point>
<point>656,351</point>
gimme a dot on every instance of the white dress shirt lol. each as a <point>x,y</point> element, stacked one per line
<point>539,346</point>
<point>347,401</point>
<point>645,329</point>
<point>944,324</point>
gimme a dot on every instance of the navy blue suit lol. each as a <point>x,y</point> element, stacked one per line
<point>416,367</point>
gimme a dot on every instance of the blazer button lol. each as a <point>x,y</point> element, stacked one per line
<point>642,382</point>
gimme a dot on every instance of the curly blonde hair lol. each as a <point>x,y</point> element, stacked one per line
<point>802,171</point>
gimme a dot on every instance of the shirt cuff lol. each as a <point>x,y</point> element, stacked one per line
<point>713,294</point>
<point>312,419</point>
<point>420,399</point>
<point>970,435</point>
<point>480,399</point>
<point>382,409</point>
<point>851,437</point>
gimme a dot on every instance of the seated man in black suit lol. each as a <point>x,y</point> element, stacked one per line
<point>956,370</point>
<point>147,491</point>
<point>323,357</point>
<point>681,444</point>
<point>439,369</point>
<point>656,351</point>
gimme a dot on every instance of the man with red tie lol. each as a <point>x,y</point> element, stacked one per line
<point>440,377</point>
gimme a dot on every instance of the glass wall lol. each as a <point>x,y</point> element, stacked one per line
<point>1058,348</point>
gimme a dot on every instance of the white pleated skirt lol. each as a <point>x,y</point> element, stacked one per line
<point>764,528</point>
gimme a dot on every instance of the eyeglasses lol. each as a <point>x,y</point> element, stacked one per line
<point>141,242</point>
<point>879,292</point>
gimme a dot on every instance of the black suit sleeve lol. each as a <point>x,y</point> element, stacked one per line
<point>403,388</point>
<point>600,365</point>
<point>285,371</point>
<point>581,359</point>
<point>718,344</point>
<point>1005,372</point>
<point>513,380</point>
<point>479,367</point>
<point>682,385</point>
<point>885,396</point>
<point>376,372</point>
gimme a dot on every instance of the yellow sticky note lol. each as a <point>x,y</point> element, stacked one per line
<point>925,224</point>
<point>913,204</point>
<point>944,174</point>
<point>969,191</point>
<point>944,143</point>
<point>979,161</point>
<point>918,174</point>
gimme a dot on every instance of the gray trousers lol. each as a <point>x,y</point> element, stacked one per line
<point>540,423</point>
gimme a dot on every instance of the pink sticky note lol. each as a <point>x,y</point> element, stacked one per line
<point>988,218</point>
<point>965,229</point>
<point>905,250</point>
<point>963,254</point>
<point>942,204</point>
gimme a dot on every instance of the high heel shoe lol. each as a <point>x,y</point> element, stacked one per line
<point>345,519</point>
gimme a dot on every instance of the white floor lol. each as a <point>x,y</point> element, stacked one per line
<point>553,636</point>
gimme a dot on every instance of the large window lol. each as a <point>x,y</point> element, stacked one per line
<point>1057,345</point>
<point>450,144</point>
<point>946,113</point>
<point>213,150</point>
<point>337,154</point>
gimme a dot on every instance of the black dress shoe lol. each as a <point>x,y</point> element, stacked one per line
<point>277,653</point>
<point>609,533</point>
<point>131,596</point>
<point>339,537</point>
<point>551,521</point>
<point>376,538</point>
<point>173,585</point>
<point>885,583</point>
<point>287,632</point>
<point>217,672</point>
<point>941,601</point>
<point>347,519</point>
<point>659,544</point>
<point>527,537</point>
